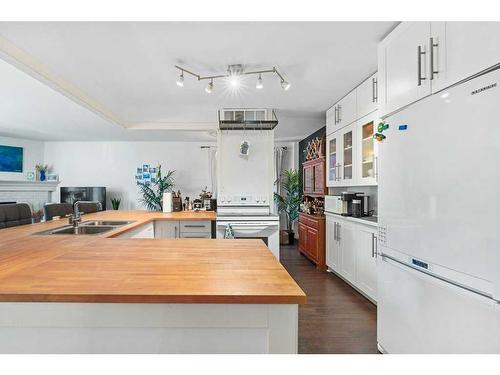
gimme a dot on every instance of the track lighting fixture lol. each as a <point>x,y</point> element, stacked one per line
<point>180,80</point>
<point>259,84</point>
<point>233,77</point>
<point>209,87</point>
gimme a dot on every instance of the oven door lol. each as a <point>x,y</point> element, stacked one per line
<point>268,232</point>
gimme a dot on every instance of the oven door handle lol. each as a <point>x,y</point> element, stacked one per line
<point>248,224</point>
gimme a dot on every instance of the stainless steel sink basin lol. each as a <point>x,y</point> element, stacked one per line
<point>82,229</point>
<point>113,223</point>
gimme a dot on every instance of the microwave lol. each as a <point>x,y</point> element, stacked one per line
<point>335,205</point>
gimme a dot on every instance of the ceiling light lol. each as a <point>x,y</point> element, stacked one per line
<point>180,80</point>
<point>209,87</point>
<point>285,85</point>
<point>259,84</point>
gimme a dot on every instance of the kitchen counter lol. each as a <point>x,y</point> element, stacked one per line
<point>366,220</point>
<point>157,295</point>
<point>79,268</point>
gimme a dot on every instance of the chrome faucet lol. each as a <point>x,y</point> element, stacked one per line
<point>75,218</point>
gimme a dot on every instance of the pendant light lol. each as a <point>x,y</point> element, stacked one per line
<point>180,80</point>
<point>259,84</point>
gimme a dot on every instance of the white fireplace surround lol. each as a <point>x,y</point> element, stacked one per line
<point>35,193</point>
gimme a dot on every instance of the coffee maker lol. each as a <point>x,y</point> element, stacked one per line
<point>354,204</point>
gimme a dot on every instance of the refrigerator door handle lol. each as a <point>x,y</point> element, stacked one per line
<point>432,45</point>
<point>419,65</point>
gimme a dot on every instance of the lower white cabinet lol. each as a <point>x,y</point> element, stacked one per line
<point>365,242</point>
<point>144,231</point>
<point>183,229</point>
<point>166,229</point>
<point>351,253</point>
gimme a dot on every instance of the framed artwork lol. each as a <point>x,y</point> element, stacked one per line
<point>11,159</point>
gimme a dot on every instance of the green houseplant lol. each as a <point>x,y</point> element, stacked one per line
<point>115,202</point>
<point>152,193</point>
<point>289,201</point>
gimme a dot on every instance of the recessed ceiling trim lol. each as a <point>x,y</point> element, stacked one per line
<point>183,126</point>
<point>26,63</point>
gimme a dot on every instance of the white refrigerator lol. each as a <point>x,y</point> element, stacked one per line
<point>439,223</point>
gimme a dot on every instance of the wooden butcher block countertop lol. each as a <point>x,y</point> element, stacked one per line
<point>100,268</point>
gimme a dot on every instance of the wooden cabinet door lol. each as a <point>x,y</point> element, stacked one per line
<point>312,243</point>
<point>319,177</point>
<point>366,97</point>
<point>302,237</point>
<point>399,64</point>
<point>366,260</point>
<point>347,251</point>
<point>308,174</point>
<point>462,49</point>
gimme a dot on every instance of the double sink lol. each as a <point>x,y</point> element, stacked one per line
<point>87,227</point>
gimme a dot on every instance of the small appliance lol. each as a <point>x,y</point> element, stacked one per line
<point>335,204</point>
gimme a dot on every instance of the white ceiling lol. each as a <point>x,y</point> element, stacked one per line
<point>126,69</point>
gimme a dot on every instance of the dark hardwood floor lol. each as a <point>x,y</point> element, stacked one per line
<point>336,318</point>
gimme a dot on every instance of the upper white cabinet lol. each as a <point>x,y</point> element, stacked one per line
<point>462,49</point>
<point>421,58</point>
<point>367,97</point>
<point>403,68</point>
<point>366,149</point>
<point>331,118</point>
<point>352,154</point>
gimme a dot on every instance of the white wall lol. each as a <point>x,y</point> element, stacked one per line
<point>32,155</point>
<point>113,164</point>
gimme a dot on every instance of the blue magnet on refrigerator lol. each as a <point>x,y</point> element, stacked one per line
<point>403,127</point>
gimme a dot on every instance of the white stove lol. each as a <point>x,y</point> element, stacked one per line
<point>250,221</point>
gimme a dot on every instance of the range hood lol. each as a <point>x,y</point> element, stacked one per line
<point>247,119</point>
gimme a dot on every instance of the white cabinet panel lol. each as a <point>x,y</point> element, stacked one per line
<point>402,65</point>
<point>195,235</point>
<point>345,235</point>
<point>346,110</point>
<point>199,226</point>
<point>330,120</point>
<point>166,229</point>
<point>462,50</point>
<point>332,245</point>
<point>144,231</point>
<point>366,97</point>
<point>366,260</point>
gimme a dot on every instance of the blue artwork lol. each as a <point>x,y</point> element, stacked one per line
<point>11,159</point>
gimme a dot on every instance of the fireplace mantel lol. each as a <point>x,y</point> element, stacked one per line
<point>23,185</point>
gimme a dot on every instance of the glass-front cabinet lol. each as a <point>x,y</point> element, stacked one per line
<point>332,160</point>
<point>352,154</point>
<point>367,150</point>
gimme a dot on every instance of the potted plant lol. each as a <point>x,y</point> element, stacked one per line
<point>152,192</point>
<point>42,170</point>
<point>115,202</point>
<point>289,201</point>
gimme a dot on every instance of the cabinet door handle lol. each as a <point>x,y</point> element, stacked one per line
<point>374,90</point>
<point>336,114</point>
<point>194,226</point>
<point>175,232</point>
<point>432,45</point>
<point>373,245</point>
<point>340,113</point>
<point>419,65</point>
<point>338,232</point>
<point>334,231</point>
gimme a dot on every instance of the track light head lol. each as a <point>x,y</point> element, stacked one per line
<point>209,87</point>
<point>180,80</point>
<point>285,85</point>
<point>259,84</point>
